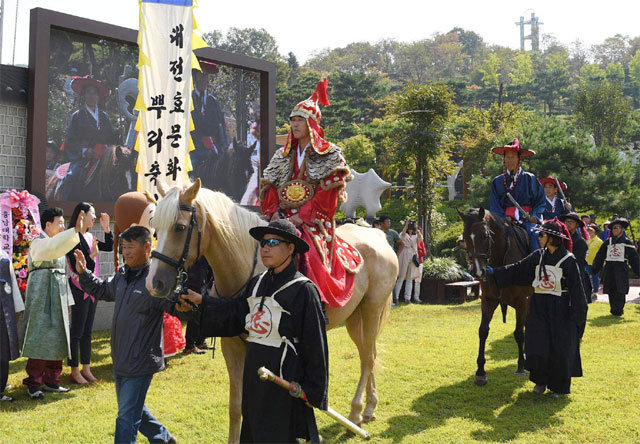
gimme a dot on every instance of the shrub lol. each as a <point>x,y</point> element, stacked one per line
<point>446,239</point>
<point>442,268</point>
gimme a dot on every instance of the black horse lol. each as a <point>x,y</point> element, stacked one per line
<point>491,240</point>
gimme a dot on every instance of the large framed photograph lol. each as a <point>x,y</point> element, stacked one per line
<point>81,134</point>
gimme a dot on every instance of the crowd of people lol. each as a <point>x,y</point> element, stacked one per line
<point>309,267</point>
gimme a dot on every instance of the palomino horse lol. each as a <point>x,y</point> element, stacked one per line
<point>488,243</point>
<point>223,237</point>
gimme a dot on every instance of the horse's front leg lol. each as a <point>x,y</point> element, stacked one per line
<point>233,350</point>
<point>488,308</point>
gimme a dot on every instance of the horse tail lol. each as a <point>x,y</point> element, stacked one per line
<point>503,307</point>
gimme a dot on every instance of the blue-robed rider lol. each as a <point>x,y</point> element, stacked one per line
<point>523,186</point>
<point>555,206</point>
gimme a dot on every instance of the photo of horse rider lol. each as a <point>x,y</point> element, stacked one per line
<point>89,133</point>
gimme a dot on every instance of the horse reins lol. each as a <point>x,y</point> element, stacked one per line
<point>182,274</point>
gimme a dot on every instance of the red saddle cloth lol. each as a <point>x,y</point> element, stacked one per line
<point>331,263</point>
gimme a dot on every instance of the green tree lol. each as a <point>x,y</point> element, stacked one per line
<point>563,152</point>
<point>523,71</point>
<point>552,79</point>
<point>634,70</point>
<point>602,109</point>
<point>422,111</point>
<point>490,70</point>
<point>615,73</point>
<point>359,152</point>
<point>591,73</point>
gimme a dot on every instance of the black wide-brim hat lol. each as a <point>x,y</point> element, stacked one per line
<point>572,216</point>
<point>620,221</point>
<point>284,229</point>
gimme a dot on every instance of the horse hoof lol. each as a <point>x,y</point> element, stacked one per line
<point>368,418</point>
<point>520,373</point>
<point>481,380</point>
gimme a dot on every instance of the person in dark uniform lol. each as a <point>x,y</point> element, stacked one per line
<point>282,314</point>
<point>580,247</point>
<point>11,308</point>
<point>555,206</point>
<point>614,258</point>
<point>523,187</point>
<point>558,310</point>
<point>88,133</point>
<point>200,280</point>
<point>209,134</point>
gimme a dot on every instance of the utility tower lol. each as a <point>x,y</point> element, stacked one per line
<point>534,24</point>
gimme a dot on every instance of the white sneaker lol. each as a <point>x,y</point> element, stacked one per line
<point>54,388</point>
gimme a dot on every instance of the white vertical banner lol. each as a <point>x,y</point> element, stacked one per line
<point>166,39</point>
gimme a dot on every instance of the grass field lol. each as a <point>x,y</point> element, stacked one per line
<point>425,385</point>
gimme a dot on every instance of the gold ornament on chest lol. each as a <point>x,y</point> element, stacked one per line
<point>295,193</point>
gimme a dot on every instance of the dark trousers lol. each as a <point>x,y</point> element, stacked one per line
<point>4,346</point>
<point>40,370</point>
<point>82,315</point>
<point>4,375</point>
<point>193,336</point>
<point>616,302</point>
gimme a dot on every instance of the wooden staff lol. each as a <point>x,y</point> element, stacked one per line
<point>296,391</point>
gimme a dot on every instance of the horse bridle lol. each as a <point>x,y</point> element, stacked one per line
<point>182,274</point>
<point>486,256</point>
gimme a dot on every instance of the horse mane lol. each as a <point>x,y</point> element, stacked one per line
<point>230,221</point>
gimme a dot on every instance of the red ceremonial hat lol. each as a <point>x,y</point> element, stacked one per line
<point>78,84</point>
<point>208,67</point>
<point>514,146</point>
<point>552,180</point>
<point>310,110</point>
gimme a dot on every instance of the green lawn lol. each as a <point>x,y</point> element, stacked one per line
<point>425,385</point>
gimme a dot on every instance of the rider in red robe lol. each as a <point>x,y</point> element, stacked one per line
<point>305,183</point>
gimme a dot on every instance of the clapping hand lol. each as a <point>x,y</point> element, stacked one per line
<point>94,248</point>
<point>81,262</point>
<point>104,222</point>
<point>80,222</point>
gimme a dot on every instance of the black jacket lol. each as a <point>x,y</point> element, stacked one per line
<point>137,347</point>
<point>615,275</point>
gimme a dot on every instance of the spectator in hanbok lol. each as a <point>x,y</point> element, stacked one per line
<point>48,304</point>
<point>83,311</point>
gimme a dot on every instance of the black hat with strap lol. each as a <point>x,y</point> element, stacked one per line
<point>573,216</point>
<point>283,228</point>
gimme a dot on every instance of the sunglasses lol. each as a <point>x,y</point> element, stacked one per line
<point>272,242</point>
<point>616,227</point>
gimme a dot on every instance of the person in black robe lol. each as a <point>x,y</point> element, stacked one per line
<point>580,248</point>
<point>11,308</point>
<point>200,280</point>
<point>558,311</point>
<point>282,314</point>
<point>88,133</point>
<point>615,264</point>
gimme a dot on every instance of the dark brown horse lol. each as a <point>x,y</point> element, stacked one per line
<point>488,243</point>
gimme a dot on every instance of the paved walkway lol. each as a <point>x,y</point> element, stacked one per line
<point>633,296</point>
